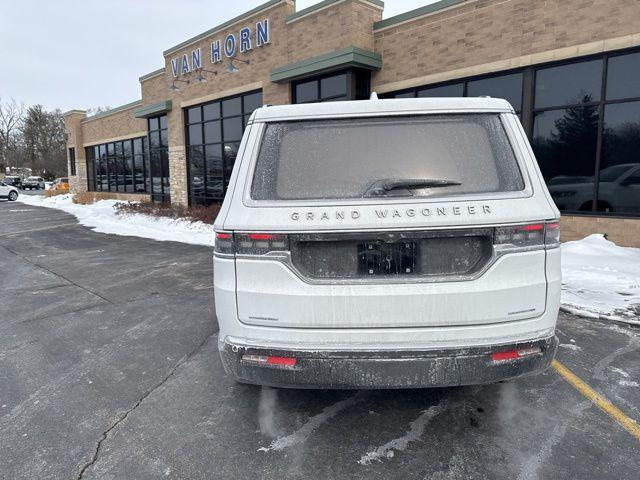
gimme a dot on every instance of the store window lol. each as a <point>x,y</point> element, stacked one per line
<point>333,87</point>
<point>158,157</point>
<point>507,86</point>
<point>72,161</point>
<point>583,118</point>
<point>116,167</point>
<point>565,130</point>
<point>214,131</point>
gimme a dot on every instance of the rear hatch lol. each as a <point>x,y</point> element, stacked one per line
<point>389,222</point>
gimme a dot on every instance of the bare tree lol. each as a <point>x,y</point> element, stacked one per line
<point>44,140</point>
<point>11,120</point>
<point>96,110</point>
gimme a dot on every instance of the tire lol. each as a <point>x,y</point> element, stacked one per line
<point>13,196</point>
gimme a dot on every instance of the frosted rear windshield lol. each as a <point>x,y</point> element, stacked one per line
<point>342,159</point>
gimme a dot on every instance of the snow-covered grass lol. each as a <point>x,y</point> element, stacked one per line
<point>102,217</point>
<point>601,280</point>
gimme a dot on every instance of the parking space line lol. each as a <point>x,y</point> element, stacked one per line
<point>38,229</point>
<point>602,403</point>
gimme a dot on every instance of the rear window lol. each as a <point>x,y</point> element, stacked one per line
<point>345,159</point>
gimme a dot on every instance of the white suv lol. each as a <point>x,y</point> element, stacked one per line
<point>386,244</point>
<point>8,191</point>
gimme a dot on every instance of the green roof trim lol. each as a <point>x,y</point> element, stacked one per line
<point>403,17</point>
<point>211,31</point>
<point>321,5</point>
<point>344,58</point>
<point>151,74</point>
<point>126,106</point>
<point>153,109</point>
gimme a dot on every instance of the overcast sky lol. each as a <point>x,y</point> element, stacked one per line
<point>89,53</point>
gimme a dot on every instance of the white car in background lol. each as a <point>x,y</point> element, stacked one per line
<point>396,243</point>
<point>618,191</point>
<point>31,183</point>
<point>8,192</point>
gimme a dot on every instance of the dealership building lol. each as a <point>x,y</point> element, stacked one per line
<point>570,68</point>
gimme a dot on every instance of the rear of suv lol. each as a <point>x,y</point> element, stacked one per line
<point>33,183</point>
<point>386,244</point>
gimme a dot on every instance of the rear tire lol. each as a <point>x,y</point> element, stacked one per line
<point>13,196</point>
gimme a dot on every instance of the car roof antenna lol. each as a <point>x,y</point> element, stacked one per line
<point>374,96</point>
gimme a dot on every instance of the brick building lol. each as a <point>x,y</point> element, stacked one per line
<point>570,68</point>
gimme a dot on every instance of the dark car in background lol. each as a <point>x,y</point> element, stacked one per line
<point>13,181</point>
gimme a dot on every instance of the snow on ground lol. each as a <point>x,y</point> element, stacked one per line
<point>102,217</point>
<point>601,280</point>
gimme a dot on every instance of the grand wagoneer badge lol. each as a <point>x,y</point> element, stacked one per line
<point>383,213</point>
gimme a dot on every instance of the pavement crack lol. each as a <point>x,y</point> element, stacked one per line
<point>35,264</point>
<point>184,359</point>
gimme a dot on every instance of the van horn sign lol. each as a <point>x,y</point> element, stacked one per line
<point>232,43</point>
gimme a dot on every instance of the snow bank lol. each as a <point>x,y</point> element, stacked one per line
<point>601,280</point>
<point>102,217</point>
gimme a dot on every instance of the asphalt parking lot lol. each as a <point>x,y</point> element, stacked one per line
<point>109,369</point>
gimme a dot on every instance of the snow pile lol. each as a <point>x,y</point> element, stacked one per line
<point>102,217</point>
<point>601,280</point>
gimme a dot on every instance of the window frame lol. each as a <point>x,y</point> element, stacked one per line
<point>354,78</point>
<point>244,115</point>
<point>161,151</point>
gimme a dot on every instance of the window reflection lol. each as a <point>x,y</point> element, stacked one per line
<point>623,76</point>
<point>568,84</point>
<point>454,90</point>
<point>218,123</point>
<point>565,142</point>
<point>508,87</point>
<point>334,87</point>
<point>158,155</point>
<point>619,182</point>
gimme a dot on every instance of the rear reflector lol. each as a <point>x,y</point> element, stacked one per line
<point>286,361</point>
<point>270,360</point>
<point>514,354</point>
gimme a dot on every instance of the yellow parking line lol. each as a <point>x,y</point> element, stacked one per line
<point>605,405</point>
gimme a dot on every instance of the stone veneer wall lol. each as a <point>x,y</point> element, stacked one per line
<point>622,231</point>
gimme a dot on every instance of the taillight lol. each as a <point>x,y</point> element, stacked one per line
<point>224,243</point>
<point>552,233</point>
<point>261,243</point>
<point>528,236</point>
<point>258,243</point>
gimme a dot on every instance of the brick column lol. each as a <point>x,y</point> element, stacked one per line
<point>178,175</point>
<point>73,125</point>
<point>177,156</point>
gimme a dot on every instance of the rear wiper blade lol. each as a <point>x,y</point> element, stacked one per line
<point>383,186</point>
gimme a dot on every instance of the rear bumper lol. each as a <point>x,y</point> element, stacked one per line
<point>385,369</point>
